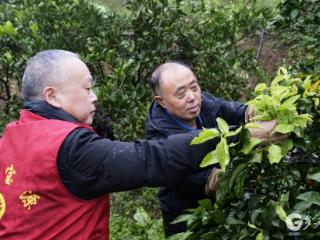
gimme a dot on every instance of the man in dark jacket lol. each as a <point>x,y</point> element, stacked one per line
<point>180,107</point>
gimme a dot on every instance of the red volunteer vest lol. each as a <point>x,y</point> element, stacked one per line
<point>34,203</point>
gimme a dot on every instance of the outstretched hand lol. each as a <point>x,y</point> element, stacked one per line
<point>212,182</point>
<point>266,134</point>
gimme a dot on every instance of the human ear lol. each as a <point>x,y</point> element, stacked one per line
<point>50,96</point>
<point>160,101</point>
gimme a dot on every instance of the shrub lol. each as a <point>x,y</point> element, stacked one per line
<point>264,187</point>
<point>298,22</point>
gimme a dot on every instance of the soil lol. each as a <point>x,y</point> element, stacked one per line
<point>273,54</point>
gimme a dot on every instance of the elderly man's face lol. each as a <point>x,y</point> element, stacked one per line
<point>180,93</point>
<point>75,93</point>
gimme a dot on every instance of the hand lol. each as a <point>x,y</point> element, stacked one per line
<point>266,134</point>
<point>212,182</point>
<point>249,114</point>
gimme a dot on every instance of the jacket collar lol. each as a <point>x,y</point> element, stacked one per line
<point>162,120</point>
<point>184,125</point>
<point>48,111</point>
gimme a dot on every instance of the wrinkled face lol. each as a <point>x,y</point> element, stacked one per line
<point>75,94</point>
<point>180,93</point>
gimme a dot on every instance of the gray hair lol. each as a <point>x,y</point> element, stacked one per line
<point>42,70</point>
<point>157,74</point>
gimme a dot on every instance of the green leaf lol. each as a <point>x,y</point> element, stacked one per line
<point>256,158</point>
<point>274,155</point>
<point>235,132</point>
<point>291,100</point>
<point>279,91</point>
<point>302,120</point>
<point>248,146</point>
<point>281,213</point>
<point>260,88</point>
<point>180,236</point>
<point>302,206</point>
<point>253,204</point>
<point>231,220</point>
<point>311,197</point>
<point>252,226</point>
<point>294,13</point>
<point>205,135</point>
<point>223,156</point>
<point>286,146</point>
<point>259,236</point>
<point>236,172</point>
<point>238,186</point>
<point>223,126</point>
<point>210,159</point>
<point>314,174</point>
<point>141,216</point>
<point>9,29</point>
<point>9,56</point>
<point>306,84</point>
<point>218,216</point>
<point>253,125</point>
<point>183,218</point>
<point>205,203</point>
<point>34,28</point>
<point>284,128</point>
<point>223,189</point>
<point>285,115</point>
<point>282,71</point>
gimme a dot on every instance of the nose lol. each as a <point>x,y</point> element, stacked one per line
<point>190,96</point>
<point>94,97</point>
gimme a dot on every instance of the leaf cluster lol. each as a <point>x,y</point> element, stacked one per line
<point>263,184</point>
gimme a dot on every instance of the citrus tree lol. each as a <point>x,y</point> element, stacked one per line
<point>266,191</point>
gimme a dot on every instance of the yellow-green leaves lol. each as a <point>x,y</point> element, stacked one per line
<point>223,126</point>
<point>260,88</point>
<point>274,153</point>
<point>281,213</point>
<point>34,27</point>
<point>249,145</point>
<point>223,156</point>
<point>284,128</point>
<point>205,135</point>
<point>8,29</point>
<point>210,159</point>
<point>260,234</point>
<point>221,153</point>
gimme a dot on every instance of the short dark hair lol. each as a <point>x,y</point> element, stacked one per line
<point>157,73</point>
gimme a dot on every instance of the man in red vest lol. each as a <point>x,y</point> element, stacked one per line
<point>56,172</point>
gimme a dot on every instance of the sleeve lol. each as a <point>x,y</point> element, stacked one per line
<point>91,166</point>
<point>231,111</point>
<point>194,184</point>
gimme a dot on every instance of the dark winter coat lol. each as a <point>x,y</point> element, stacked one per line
<point>161,124</point>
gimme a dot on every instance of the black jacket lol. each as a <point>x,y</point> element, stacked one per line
<point>160,124</point>
<point>91,166</point>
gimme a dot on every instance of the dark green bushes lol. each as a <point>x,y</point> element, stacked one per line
<point>298,23</point>
<point>122,51</point>
<point>29,26</point>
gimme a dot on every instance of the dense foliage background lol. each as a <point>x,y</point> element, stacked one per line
<point>230,45</point>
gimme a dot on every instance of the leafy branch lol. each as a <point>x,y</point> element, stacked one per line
<point>262,184</point>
